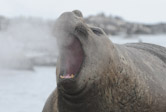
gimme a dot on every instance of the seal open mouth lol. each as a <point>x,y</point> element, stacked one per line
<point>72,57</point>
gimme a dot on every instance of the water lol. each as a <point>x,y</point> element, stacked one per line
<point>26,91</point>
<point>154,39</point>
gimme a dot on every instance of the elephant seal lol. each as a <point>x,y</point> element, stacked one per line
<point>95,75</point>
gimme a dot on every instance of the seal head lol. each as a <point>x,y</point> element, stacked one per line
<point>80,46</point>
<point>81,58</point>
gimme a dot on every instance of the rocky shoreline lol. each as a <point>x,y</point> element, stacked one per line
<point>112,25</point>
<point>117,26</point>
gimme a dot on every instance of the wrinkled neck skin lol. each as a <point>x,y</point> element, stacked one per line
<point>93,95</point>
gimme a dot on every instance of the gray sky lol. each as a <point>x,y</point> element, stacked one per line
<point>147,11</point>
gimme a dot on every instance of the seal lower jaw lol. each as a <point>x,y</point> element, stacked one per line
<point>72,57</point>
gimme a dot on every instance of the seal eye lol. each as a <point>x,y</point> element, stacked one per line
<point>97,31</point>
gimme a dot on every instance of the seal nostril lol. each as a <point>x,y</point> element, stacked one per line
<point>77,13</point>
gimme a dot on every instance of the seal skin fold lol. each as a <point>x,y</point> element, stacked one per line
<point>112,77</point>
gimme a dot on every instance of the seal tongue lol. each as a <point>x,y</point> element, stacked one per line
<point>72,59</point>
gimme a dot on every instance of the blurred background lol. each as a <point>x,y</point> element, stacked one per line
<point>28,50</point>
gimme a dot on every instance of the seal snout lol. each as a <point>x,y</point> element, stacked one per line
<point>78,13</point>
<point>70,23</point>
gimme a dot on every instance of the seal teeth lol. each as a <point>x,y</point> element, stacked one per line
<point>61,76</point>
<point>72,75</point>
<point>67,76</point>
